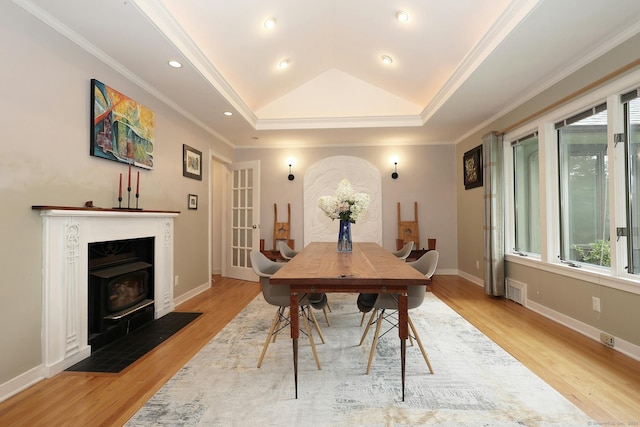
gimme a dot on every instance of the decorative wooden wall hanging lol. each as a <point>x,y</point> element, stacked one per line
<point>408,230</point>
<point>281,230</point>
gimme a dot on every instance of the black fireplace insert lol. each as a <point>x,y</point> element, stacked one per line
<point>120,288</point>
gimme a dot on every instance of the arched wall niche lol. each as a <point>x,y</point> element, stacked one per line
<point>322,178</point>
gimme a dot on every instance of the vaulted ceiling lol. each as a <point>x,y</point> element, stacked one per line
<point>456,64</point>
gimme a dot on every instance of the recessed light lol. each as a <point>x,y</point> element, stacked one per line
<point>270,23</point>
<point>175,64</point>
<point>387,59</point>
<point>402,16</point>
<point>283,64</point>
<point>228,113</point>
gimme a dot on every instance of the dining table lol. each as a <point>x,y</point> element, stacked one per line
<point>368,268</point>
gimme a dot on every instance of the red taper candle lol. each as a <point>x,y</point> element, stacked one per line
<point>120,188</point>
<point>129,186</point>
<point>138,184</point>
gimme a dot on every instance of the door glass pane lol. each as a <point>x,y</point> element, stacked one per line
<point>584,185</point>
<point>242,212</point>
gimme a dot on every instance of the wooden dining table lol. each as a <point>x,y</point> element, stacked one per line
<point>369,268</point>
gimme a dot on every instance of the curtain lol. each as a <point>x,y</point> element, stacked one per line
<point>493,215</point>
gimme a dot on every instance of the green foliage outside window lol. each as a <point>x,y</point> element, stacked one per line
<point>598,253</point>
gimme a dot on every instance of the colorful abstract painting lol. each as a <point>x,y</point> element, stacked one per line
<point>121,129</point>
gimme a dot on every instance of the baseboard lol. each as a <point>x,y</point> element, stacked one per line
<point>190,294</point>
<point>21,382</point>
<point>478,281</point>
<point>622,346</point>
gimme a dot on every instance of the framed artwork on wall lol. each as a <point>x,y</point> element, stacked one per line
<point>193,201</point>
<point>472,168</point>
<point>122,130</point>
<point>191,162</point>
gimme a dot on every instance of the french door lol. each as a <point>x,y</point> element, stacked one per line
<point>244,220</point>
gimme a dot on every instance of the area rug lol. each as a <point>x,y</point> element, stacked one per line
<point>475,382</point>
<point>124,351</point>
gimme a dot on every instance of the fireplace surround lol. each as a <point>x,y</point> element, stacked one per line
<point>67,233</point>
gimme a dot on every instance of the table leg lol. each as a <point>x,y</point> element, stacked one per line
<point>403,320</point>
<point>295,329</point>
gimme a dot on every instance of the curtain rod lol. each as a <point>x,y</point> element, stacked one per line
<point>575,94</point>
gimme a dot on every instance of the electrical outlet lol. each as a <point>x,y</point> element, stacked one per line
<point>595,302</point>
<point>606,339</point>
<point>477,265</point>
<point>176,281</point>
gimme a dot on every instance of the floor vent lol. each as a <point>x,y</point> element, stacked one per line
<point>516,291</point>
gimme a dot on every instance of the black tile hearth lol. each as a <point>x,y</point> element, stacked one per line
<point>121,353</point>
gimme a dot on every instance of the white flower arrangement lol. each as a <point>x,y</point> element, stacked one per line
<point>347,205</point>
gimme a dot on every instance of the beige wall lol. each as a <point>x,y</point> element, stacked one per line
<point>425,173</point>
<point>556,294</point>
<point>44,160</point>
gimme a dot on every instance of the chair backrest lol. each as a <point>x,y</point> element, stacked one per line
<point>427,263</point>
<point>285,250</point>
<point>277,295</point>
<point>405,251</point>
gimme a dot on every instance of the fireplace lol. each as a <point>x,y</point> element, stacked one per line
<point>120,288</point>
<point>67,233</point>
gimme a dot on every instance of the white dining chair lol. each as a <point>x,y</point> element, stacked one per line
<point>404,252</point>
<point>279,296</point>
<point>386,307</point>
<point>285,250</point>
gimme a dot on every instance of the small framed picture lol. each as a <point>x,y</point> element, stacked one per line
<point>472,168</point>
<point>191,162</point>
<point>193,201</point>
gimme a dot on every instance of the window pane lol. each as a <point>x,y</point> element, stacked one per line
<point>584,183</point>
<point>632,112</point>
<point>527,195</point>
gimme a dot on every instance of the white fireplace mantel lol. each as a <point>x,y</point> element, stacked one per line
<point>67,233</point>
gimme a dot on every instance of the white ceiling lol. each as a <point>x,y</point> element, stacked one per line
<point>457,63</point>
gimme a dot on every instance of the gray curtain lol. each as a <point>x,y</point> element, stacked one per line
<point>493,214</point>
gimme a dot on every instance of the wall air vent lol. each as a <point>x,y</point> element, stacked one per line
<point>516,291</point>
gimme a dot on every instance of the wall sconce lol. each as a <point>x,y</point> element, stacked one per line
<point>394,175</point>
<point>290,177</point>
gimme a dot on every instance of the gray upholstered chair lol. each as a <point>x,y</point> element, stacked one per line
<point>285,250</point>
<point>405,251</point>
<point>279,296</point>
<point>426,264</point>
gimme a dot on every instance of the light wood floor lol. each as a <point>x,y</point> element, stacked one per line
<point>602,382</point>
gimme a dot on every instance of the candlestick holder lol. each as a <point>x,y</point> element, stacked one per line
<point>128,197</point>
<point>137,197</point>
<point>119,202</point>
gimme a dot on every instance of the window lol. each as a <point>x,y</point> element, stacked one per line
<point>526,194</point>
<point>632,154</point>
<point>584,186</point>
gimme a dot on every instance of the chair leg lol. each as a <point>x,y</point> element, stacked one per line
<point>276,321</point>
<point>362,319</point>
<point>313,345</point>
<point>315,323</point>
<point>326,318</point>
<point>277,329</point>
<point>369,323</point>
<point>375,341</point>
<point>329,307</point>
<point>424,353</point>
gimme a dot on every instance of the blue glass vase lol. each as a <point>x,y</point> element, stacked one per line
<point>344,237</point>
